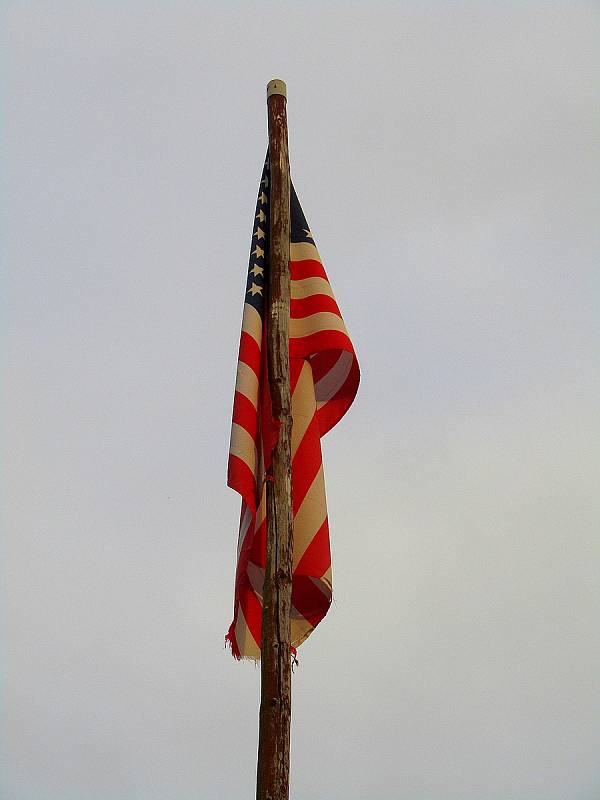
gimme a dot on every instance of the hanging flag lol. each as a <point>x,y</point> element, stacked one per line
<point>324,378</point>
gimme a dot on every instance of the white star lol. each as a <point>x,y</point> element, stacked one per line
<point>254,289</point>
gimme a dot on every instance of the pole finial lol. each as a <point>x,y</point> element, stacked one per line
<point>276,86</point>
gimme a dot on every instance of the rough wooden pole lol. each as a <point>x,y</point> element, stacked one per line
<point>276,674</point>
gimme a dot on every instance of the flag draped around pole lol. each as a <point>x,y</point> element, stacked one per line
<point>324,377</point>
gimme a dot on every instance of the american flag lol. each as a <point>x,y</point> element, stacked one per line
<point>324,378</point>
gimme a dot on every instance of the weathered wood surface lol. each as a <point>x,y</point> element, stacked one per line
<point>276,678</point>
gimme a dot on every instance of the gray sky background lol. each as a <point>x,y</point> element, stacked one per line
<point>447,157</point>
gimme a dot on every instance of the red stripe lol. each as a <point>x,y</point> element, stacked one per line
<point>306,463</point>
<point>306,269</point>
<point>258,554</point>
<point>305,346</point>
<point>321,363</point>
<point>313,304</point>
<point>241,478</point>
<point>252,610</point>
<point>317,558</point>
<point>250,352</point>
<point>230,637</point>
<point>309,600</point>
<point>244,414</point>
<point>331,412</point>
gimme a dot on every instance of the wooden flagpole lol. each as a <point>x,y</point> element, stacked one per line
<point>276,665</point>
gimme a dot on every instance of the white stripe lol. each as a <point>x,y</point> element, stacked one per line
<point>252,323</point>
<point>244,526</point>
<point>243,446</point>
<point>244,639</point>
<point>303,251</point>
<point>316,323</point>
<point>246,382</point>
<point>307,287</point>
<point>256,576</point>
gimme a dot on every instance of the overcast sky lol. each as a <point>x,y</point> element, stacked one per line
<point>447,158</point>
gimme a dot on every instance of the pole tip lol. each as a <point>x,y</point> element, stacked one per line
<point>276,86</point>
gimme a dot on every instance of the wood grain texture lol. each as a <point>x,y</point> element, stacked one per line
<point>276,674</point>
